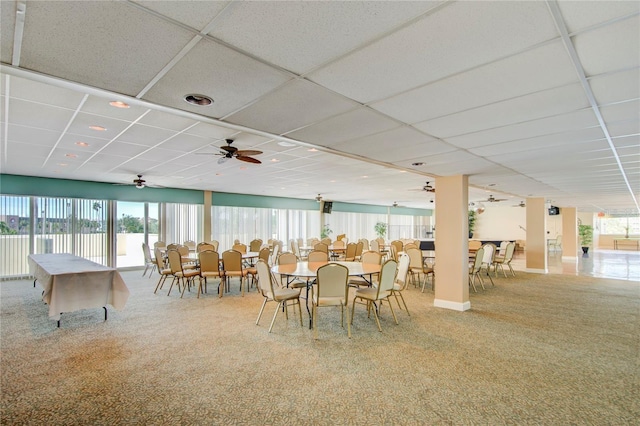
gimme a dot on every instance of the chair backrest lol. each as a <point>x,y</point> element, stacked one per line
<point>410,245</point>
<point>183,250</point>
<point>365,244</point>
<point>242,248</point>
<point>215,244</point>
<point>559,239</point>
<point>380,241</point>
<point>172,246</point>
<point>265,278</point>
<point>477,262</point>
<point>232,260</point>
<point>415,257</point>
<point>350,254</point>
<point>375,246</point>
<point>332,281</point>
<point>489,253</point>
<point>159,244</point>
<point>287,258</point>
<point>264,254</point>
<point>175,260</point>
<point>393,252</point>
<point>339,244</point>
<point>191,244</point>
<point>322,247</point>
<point>312,242</point>
<point>502,248</point>
<point>275,252</point>
<point>209,261</point>
<point>318,256</point>
<point>387,276</point>
<point>159,259</point>
<point>398,245</point>
<point>300,242</point>
<point>295,248</point>
<point>403,267</point>
<point>326,241</point>
<point>508,254</point>
<point>255,245</point>
<point>371,258</point>
<point>359,248</point>
<point>204,246</point>
<point>147,253</point>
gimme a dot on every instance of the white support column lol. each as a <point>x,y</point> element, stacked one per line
<point>452,243</point>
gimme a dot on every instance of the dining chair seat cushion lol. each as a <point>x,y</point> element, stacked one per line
<point>188,273</point>
<point>284,294</point>
<point>370,293</point>
<point>211,274</point>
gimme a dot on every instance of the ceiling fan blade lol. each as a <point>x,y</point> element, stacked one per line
<point>222,160</point>
<point>230,149</point>
<point>248,159</point>
<point>246,152</point>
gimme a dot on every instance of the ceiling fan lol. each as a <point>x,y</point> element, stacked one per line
<point>229,151</point>
<point>427,188</point>
<point>522,204</point>
<point>492,199</point>
<point>318,198</point>
<point>139,182</point>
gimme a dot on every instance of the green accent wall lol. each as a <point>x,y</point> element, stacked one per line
<point>51,187</point>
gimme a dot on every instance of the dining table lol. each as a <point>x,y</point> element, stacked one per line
<point>308,271</point>
<point>71,283</point>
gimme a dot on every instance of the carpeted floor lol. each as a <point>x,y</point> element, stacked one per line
<point>534,349</point>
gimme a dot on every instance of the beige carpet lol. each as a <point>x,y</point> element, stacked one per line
<point>532,350</point>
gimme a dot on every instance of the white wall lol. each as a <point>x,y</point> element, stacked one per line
<point>500,222</point>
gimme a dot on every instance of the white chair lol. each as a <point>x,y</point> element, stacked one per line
<point>273,293</point>
<point>556,244</point>
<point>381,292</point>
<point>487,259</point>
<point>401,281</point>
<point>331,289</point>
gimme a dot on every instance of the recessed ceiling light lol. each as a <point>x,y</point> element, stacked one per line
<point>274,160</point>
<point>332,181</point>
<point>198,100</point>
<point>243,168</point>
<point>403,171</point>
<point>218,174</point>
<point>365,176</point>
<point>417,164</point>
<point>285,143</point>
<point>98,128</point>
<point>312,150</point>
<point>118,104</point>
<point>62,164</point>
<point>84,144</point>
<point>71,155</point>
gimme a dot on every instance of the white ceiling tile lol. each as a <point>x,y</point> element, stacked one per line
<point>211,131</point>
<point>145,135</point>
<point>616,87</point>
<point>31,135</point>
<point>82,121</point>
<point>95,53</point>
<point>627,141</point>
<point>70,140</point>
<point>196,14</point>
<point>624,128</point>
<point>395,146</point>
<point>579,15</point>
<point>38,115</point>
<point>350,125</point>
<point>294,105</point>
<point>611,48</point>
<point>123,149</point>
<point>165,120</point>
<point>455,38</point>
<point>7,26</point>
<point>41,93</point>
<point>621,111</point>
<point>301,35</point>
<point>185,143</point>
<point>545,126</point>
<point>100,106</point>
<point>524,108</point>
<point>232,80</point>
<point>545,142</point>
<point>534,70</point>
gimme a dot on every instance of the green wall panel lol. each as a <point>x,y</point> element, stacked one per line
<point>49,187</point>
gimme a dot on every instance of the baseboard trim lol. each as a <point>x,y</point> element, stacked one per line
<point>537,271</point>
<point>455,306</point>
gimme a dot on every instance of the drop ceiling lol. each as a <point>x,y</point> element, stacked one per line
<point>530,99</point>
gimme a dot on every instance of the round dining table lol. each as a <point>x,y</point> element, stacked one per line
<point>308,272</point>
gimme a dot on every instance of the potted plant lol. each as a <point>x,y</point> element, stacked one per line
<point>326,231</point>
<point>585,233</point>
<point>472,222</point>
<point>381,229</point>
